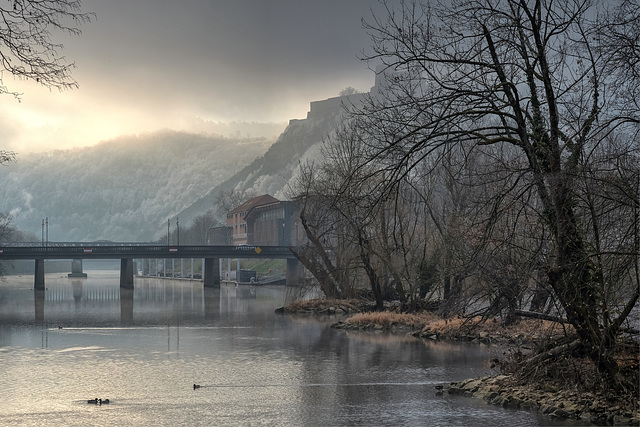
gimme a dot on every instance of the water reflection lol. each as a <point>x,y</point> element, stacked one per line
<point>145,348</point>
<point>126,306</point>
<point>99,300</point>
<point>38,303</point>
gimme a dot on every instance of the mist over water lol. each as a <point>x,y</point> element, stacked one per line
<point>144,349</point>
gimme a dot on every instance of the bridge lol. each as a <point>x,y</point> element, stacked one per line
<point>127,252</point>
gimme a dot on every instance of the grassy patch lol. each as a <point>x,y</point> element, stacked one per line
<point>388,319</point>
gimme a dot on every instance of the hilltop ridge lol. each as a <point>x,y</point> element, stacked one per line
<point>274,171</point>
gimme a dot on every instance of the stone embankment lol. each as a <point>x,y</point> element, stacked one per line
<point>501,390</point>
<point>323,307</point>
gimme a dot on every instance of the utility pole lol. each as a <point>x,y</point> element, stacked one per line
<point>168,226</point>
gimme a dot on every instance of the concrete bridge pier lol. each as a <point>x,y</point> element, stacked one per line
<point>295,275</point>
<point>211,277</point>
<point>38,281</point>
<point>294,272</point>
<point>76,269</point>
<point>126,273</point>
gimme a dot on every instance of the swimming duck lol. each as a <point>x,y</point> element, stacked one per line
<point>104,402</point>
<point>94,401</point>
<point>195,386</point>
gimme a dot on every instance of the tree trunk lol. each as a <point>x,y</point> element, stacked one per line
<point>374,279</point>
<point>540,299</point>
<point>578,293</point>
<point>324,271</point>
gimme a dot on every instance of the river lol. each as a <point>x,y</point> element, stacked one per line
<point>145,349</point>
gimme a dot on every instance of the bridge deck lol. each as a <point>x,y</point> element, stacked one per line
<point>121,251</point>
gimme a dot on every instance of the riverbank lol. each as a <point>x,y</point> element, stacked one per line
<point>508,392</point>
<point>564,385</point>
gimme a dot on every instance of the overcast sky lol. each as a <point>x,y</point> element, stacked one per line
<point>144,65</point>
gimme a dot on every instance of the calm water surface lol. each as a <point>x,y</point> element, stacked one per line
<point>144,349</point>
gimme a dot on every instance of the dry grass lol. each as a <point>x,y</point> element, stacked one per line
<point>525,329</point>
<point>429,323</point>
<point>387,319</point>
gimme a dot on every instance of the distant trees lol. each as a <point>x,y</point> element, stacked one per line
<point>196,233</point>
<point>170,171</point>
<point>512,125</point>
<point>9,233</point>
<point>6,226</point>
<point>348,91</point>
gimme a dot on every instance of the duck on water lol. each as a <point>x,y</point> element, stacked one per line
<point>97,401</point>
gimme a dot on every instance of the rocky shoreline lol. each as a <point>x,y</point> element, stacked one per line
<point>502,390</point>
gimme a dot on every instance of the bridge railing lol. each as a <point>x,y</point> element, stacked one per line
<point>73,244</point>
<point>138,250</point>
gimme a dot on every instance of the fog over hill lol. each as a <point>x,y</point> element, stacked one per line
<point>123,189</point>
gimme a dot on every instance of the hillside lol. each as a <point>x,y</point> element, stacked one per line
<point>274,171</point>
<point>123,189</point>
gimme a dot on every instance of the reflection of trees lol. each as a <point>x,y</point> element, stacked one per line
<point>338,359</point>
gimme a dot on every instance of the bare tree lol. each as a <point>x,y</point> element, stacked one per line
<point>617,36</point>
<point>27,50</point>
<point>348,91</point>
<point>7,157</point>
<point>356,237</point>
<point>527,75</point>
<point>197,233</point>
<point>317,254</point>
<point>228,200</point>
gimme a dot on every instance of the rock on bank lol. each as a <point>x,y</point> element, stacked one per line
<point>502,391</point>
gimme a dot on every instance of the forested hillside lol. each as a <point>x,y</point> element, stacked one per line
<point>123,189</point>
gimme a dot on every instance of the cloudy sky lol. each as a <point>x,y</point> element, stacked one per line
<point>144,65</point>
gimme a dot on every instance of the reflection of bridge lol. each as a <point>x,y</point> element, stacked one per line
<point>127,252</point>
